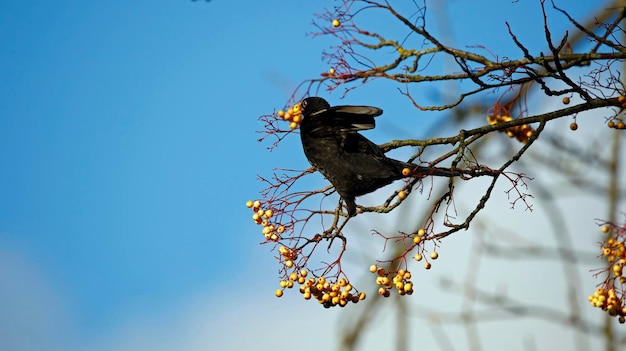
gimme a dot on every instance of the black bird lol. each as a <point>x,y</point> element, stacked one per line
<point>351,162</point>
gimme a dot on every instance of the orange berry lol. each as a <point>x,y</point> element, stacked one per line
<point>573,126</point>
<point>611,124</point>
<point>406,172</point>
<point>279,293</point>
<point>402,195</point>
<point>621,99</point>
<point>566,100</point>
<point>336,23</point>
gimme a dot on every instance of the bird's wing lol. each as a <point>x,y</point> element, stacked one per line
<point>354,118</point>
<point>341,120</point>
<point>358,144</point>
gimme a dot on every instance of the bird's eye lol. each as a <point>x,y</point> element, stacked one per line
<point>303,104</point>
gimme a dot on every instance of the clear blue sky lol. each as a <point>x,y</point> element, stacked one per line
<point>128,148</point>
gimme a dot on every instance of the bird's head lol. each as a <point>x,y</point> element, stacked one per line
<point>313,105</point>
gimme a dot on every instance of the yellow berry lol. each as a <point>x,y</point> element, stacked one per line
<point>373,268</point>
<point>289,263</point>
<point>293,125</point>
<point>280,229</point>
<point>249,203</point>
<point>297,118</point>
<point>434,255</point>
<point>604,229</point>
<point>382,291</point>
<point>427,265</point>
<point>402,195</point>
<point>331,71</point>
<point>303,273</point>
<point>421,232</point>
<point>406,172</point>
<point>336,23</point>
<point>279,293</point>
<point>417,239</point>
<point>611,124</point>
<point>256,204</point>
<point>621,99</point>
<point>418,257</point>
<point>621,125</point>
<point>268,213</point>
<point>281,113</point>
<point>296,107</point>
<point>408,287</point>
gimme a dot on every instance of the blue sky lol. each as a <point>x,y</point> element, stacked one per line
<point>128,149</point>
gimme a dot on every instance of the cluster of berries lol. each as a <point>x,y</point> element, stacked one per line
<point>401,281</point>
<point>522,133</point>
<point>607,300</point>
<point>293,115</point>
<point>262,217</point>
<point>611,297</point>
<point>327,293</point>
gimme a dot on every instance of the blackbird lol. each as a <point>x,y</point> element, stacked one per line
<point>351,162</point>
